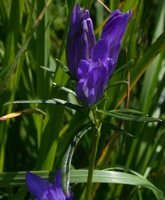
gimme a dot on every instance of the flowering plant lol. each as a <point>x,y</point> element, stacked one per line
<point>91,62</point>
<point>83,103</point>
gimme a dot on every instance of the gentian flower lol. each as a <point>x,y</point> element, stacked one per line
<point>99,59</point>
<point>43,190</point>
<point>80,39</point>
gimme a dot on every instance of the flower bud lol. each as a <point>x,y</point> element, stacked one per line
<point>80,39</point>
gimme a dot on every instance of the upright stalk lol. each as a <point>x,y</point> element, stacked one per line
<point>96,137</point>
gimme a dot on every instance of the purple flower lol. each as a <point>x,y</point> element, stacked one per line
<point>90,62</point>
<point>80,40</point>
<point>93,78</point>
<point>43,190</point>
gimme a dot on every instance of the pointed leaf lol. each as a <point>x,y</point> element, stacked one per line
<point>48,69</point>
<point>128,117</point>
<point>49,101</point>
<point>120,131</point>
<point>66,161</point>
<point>63,67</point>
<point>64,88</point>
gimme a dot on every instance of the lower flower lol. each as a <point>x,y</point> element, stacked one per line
<point>43,190</point>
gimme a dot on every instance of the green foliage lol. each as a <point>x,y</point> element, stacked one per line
<point>51,121</point>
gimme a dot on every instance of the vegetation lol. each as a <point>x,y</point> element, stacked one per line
<point>42,120</point>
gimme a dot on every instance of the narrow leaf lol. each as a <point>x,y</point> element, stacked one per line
<point>64,88</point>
<point>143,63</point>
<point>100,176</point>
<point>49,101</point>
<point>117,83</point>
<point>128,110</point>
<point>22,112</point>
<point>62,66</point>
<point>48,69</point>
<point>66,162</point>
<point>80,176</point>
<point>120,131</point>
<point>122,67</point>
<point>23,48</point>
<point>128,117</point>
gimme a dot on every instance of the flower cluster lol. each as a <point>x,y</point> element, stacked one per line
<point>91,62</point>
<point>43,190</point>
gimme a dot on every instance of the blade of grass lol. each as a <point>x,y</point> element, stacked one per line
<point>143,63</point>
<point>49,101</point>
<point>80,176</point>
<point>128,117</point>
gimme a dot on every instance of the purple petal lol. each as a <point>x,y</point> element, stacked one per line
<point>77,15</point>
<point>57,179</point>
<point>83,68</point>
<point>80,39</point>
<point>91,87</point>
<point>35,185</point>
<point>42,190</point>
<point>116,25</point>
<point>90,36</point>
<point>78,50</point>
<point>101,50</point>
<point>114,30</point>
<point>110,41</point>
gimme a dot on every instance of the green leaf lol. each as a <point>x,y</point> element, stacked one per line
<point>66,161</point>
<point>128,117</point>
<point>114,4</point>
<point>4,12</point>
<point>80,176</point>
<point>128,110</point>
<point>71,5</point>
<point>62,66</point>
<point>48,69</point>
<point>22,49</point>
<point>49,101</point>
<point>122,67</point>
<point>64,88</point>
<point>117,83</point>
<point>100,176</point>
<point>151,78</point>
<point>143,63</point>
<point>87,4</point>
<point>129,5</point>
<point>120,131</point>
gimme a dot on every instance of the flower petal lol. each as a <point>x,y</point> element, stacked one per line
<point>101,50</point>
<point>80,39</point>
<point>83,68</point>
<point>114,30</point>
<point>116,25</point>
<point>35,185</point>
<point>91,36</point>
<point>91,87</point>
<point>77,15</point>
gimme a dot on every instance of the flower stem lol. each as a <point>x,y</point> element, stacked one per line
<point>96,137</point>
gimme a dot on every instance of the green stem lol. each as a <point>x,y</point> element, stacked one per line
<point>96,138</point>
